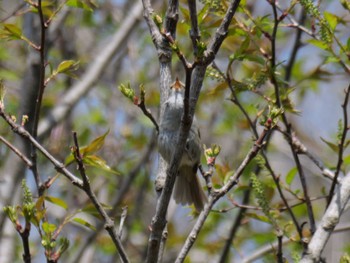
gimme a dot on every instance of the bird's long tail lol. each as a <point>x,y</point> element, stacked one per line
<point>188,189</point>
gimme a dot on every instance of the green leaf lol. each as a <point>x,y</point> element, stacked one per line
<point>262,218</point>
<point>290,176</point>
<point>331,145</point>
<point>202,14</point>
<point>57,201</point>
<point>340,130</point>
<point>11,213</point>
<point>345,258</point>
<point>80,4</point>
<point>2,92</point>
<point>91,209</point>
<point>331,19</point>
<point>98,162</point>
<point>14,31</point>
<point>84,223</point>
<point>63,245</point>
<point>69,159</point>
<point>48,228</point>
<point>331,59</point>
<point>346,159</point>
<point>318,44</point>
<point>95,145</point>
<point>67,66</point>
<point>346,144</point>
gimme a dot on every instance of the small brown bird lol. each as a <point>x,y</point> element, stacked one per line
<point>187,186</point>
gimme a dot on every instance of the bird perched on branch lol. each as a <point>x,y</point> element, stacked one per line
<point>187,188</point>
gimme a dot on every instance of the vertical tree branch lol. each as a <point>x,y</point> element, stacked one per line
<point>284,118</point>
<point>172,17</point>
<point>341,144</point>
<point>27,258</point>
<point>195,78</point>
<point>296,46</point>
<point>40,94</point>
<point>194,31</point>
<point>221,32</point>
<point>328,222</point>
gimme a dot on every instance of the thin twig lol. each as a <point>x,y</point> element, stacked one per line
<point>95,69</point>
<point>235,226</point>
<point>280,209</point>
<point>296,46</point>
<point>122,221</point>
<point>236,101</point>
<point>216,195</point>
<point>341,144</point>
<point>16,151</point>
<point>148,113</point>
<point>20,130</point>
<point>221,32</point>
<point>14,12</point>
<point>284,118</point>
<point>116,202</point>
<point>109,224</point>
<point>181,56</point>
<point>301,149</point>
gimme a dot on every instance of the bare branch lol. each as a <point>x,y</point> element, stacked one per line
<point>284,117</point>
<point>296,46</point>
<point>328,222</point>
<point>172,16</point>
<point>216,195</point>
<point>148,14</point>
<point>221,32</point>
<point>194,32</point>
<point>116,202</point>
<point>16,151</point>
<point>109,223</point>
<point>93,72</point>
<point>235,226</point>
<point>341,144</point>
<point>122,221</point>
<point>39,98</point>
<point>25,134</point>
